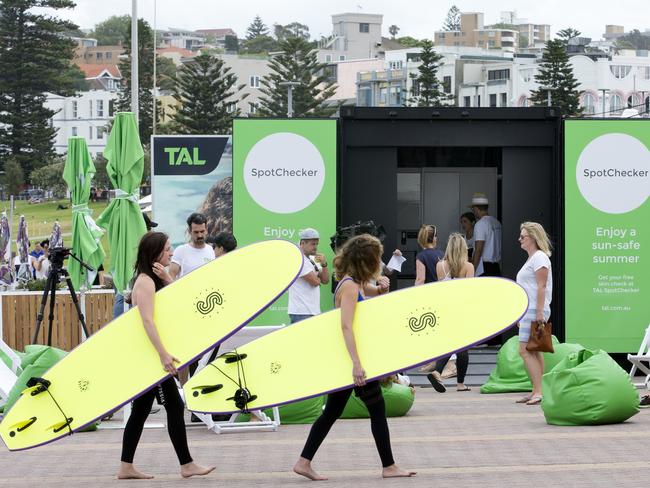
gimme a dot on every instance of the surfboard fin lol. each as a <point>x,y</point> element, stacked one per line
<point>59,426</point>
<point>20,426</point>
<point>234,357</point>
<point>36,385</point>
<point>242,397</point>
<point>205,389</point>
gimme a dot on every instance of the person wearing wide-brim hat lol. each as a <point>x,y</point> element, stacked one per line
<point>487,238</point>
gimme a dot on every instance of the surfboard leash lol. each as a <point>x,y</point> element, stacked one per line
<point>242,395</point>
<point>44,385</point>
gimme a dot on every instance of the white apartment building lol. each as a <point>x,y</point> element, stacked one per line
<point>354,36</point>
<point>181,38</point>
<point>85,115</point>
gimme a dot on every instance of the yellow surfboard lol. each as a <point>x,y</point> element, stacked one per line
<point>393,332</point>
<point>118,363</point>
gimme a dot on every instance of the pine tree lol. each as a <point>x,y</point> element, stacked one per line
<point>556,72</point>
<point>426,89</point>
<point>452,22</point>
<point>204,90</point>
<point>35,58</point>
<point>393,30</point>
<point>145,79</point>
<point>256,29</point>
<point>297,62</point>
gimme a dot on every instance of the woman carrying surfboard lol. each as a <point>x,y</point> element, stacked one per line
<point>357,263</point>
<point>154,255</point>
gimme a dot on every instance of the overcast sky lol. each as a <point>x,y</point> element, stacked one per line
<point>417,18</point>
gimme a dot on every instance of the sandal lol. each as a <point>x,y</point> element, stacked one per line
<point>467,388</point>
<point>534,400</point>
<point>525,399</point>
<point>434,379</point>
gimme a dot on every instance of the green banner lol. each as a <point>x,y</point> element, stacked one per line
<point>284,180</point>
<point>607,232</point>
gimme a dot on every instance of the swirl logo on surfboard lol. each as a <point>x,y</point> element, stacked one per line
<point>423,321</point>
<point>209,303</point>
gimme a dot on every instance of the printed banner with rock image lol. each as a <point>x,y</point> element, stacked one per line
<point>191,174</point>
<point>607,229</point>
<point>284,181</point>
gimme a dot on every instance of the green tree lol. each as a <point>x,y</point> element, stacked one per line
<point>14,178</point>
<point>556,72</point>
<point>426,89</point>
<point>294,29</point>
<point>50,177</point>
<point>452,21</point>
<point>145,79</point>
<point>101,179</point>
<point>297,62</point>
<point>408,41</point>
<point>259,45</point>
<point>567,34</point>
<point>634,40</point>
<point>523,40</point>
<point>165,73</point>
<point>35,59</point>
<point>205,90</point>
<point>113,31</point>
<point>256,29</point>
<point>393,30</point>
<point>231,44</point>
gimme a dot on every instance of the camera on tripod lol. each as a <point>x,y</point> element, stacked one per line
<point>358,228</point>
<point>58,254</point>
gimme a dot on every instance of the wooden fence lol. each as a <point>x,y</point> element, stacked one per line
<point>20,309</point>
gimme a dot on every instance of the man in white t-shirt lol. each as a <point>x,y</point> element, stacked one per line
<point>304,294</point>
<point>195,253</point>
<point>487,239</point>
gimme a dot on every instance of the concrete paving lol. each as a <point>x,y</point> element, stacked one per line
<point>451,439</point>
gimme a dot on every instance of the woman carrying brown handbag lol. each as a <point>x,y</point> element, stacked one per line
<point>536,278</point>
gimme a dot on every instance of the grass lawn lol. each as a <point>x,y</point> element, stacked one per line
<point>40,218</point>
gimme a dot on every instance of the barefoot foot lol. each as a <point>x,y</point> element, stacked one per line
<point>303,468</point>
<point>191,469</point>
<point>395,471</point>
<point>128,472</point>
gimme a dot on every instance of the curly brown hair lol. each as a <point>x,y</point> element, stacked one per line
<point>359,258</point>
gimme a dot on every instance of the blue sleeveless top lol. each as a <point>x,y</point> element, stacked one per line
<point>359,298</point>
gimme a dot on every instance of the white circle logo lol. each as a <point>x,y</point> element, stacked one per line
<point>284,173</point>
<point>613,173</point>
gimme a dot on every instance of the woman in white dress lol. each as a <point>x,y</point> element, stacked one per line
<point>536,278</point>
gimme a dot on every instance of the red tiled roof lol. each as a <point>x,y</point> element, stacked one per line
<point>184,52</point>
<point>95,70</point>
<point>217,32</point>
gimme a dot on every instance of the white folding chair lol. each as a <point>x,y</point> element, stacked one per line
<point>641,361</point>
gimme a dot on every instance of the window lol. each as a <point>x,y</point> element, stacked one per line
<point>620,71</point>
<point>526,75</point>
<point>615,103</point>
<point>383,95</point>
<point>109,55</point>
<point>395,65</point>
<point>491,44</point>
<point>342,57</point>
<point>74,132</point>
<point>493,99</point>
<point>111,107</point>
<point>90,108</point>
<point>645,71</point>
<point>589,104</point>
<point>252,108</point>
<point>100,55</point>
<point>100,132</point>
<point>478,100</point>
<point>90,132</point>
<point>481,42</point>
<point>395,96</point>
<point>74,109</point>
<point>231,107</point>
<point>492,34</point>
<point>442,35</point>
<point>504,99</point>
<point>254,81</point>
<point>467,101</point>
<point>328,58</point>
<point>446,84</point>
<point>100,108</point>
<point>499,74</point>
<point>415,88</point>
<point>364,27</point>
<point>365,96</point>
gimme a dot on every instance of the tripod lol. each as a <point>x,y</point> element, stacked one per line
<point>53,278</point>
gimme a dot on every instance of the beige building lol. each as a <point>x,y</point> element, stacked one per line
<point>354,36</point>
<point>473,33</point>
<point>535,33</point>
<point>98,54</point>
<point>612,32</point>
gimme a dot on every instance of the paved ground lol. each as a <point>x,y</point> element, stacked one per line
<point>451,439</point>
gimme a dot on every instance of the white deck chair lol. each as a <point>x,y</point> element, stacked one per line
<point>8,374</point>
<point>641,361</point>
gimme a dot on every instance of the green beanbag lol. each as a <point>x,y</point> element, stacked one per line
<point>398,399</point>
<point>302,412</point>
<point>588,388</point>
<point>36,361</point>
<point>510,374</point>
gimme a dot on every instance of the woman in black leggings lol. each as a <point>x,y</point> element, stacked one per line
<point>357,263</point>
<point>154,254</point>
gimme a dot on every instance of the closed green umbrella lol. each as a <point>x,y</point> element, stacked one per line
<point>122,218</point>
<point>86,235</point>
